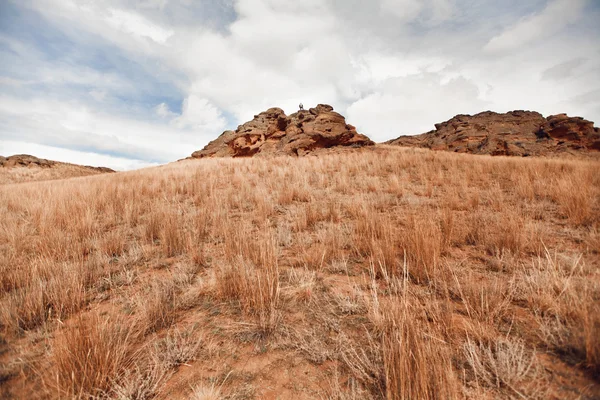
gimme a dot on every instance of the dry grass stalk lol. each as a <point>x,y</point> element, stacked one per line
<point>90,356</point>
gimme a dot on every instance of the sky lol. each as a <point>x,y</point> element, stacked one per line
<point>129,84</point>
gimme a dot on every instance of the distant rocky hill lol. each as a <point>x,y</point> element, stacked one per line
<point>516,133</point>
<point>274,133</point>
<point>25,168</point>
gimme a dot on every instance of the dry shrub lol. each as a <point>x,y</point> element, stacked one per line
<point>349,390</point>
<point>185,272</point>
<point>207,392</point>
<point>506,365</point>
<point>352,303</point>
<point>364,363</point>
<point>141,382</point>
<point>301,285</point>
<point>90,356</point>
<point>155,364</point>
<point>177,347</point>
<point>549,284</point>
<point>485,300</point>
<point>312,343</point>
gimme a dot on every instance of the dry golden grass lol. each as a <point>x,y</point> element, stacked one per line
<point>417,364</point>
<point>33,173</point>
<point>88,358</point>
<point>375,273</point>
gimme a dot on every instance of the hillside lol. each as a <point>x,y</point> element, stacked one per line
<point>25,168</point>
<point>516,133</point>
<point>273,133</point>
<point>384,272</point>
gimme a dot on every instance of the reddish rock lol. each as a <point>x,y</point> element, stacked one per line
<point>516,133</point>
<point>272,132</point>
<point>25,160</point>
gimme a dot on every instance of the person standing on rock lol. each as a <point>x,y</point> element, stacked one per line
<point>301,107</point>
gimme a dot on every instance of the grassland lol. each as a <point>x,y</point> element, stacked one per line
<point>383,273</point>
<point>34,173</point>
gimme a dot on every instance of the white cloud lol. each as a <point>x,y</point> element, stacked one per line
<point>137,25</point>
<point>562,70</point>
<point>557,15</point>
<point>199,113</point>
<point>405,10</point>
<point>442,10</point>
<point>163,111</point>
<point>413,105</point>
<point>78,127</point>
<point>98,95</point>
<point>391,66</point>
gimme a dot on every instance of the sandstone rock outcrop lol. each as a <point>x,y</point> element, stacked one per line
<point>26,160</point>
<point>25,168</point>
<point>272,133</point>
<point>516,133</point>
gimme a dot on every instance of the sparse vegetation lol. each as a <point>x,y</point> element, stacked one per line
<point>383,273</point>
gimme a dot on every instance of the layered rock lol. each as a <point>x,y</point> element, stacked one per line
<point>272,132</point>
<point>516,133</point>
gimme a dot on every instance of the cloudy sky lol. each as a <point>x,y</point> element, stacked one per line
<point>129,84</point>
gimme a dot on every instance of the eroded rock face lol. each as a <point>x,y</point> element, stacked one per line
<point>272,133</point>
<point>516,133</point>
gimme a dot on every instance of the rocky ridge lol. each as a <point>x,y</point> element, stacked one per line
<point>516,133</point>
<point>272,132</point>
<point>25,168</point>
<point>26,160</point>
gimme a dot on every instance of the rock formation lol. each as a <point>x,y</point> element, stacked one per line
<point>25,168</point>
<point>25,160</point>
<point>273,133</point>
<point>516,133</point>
